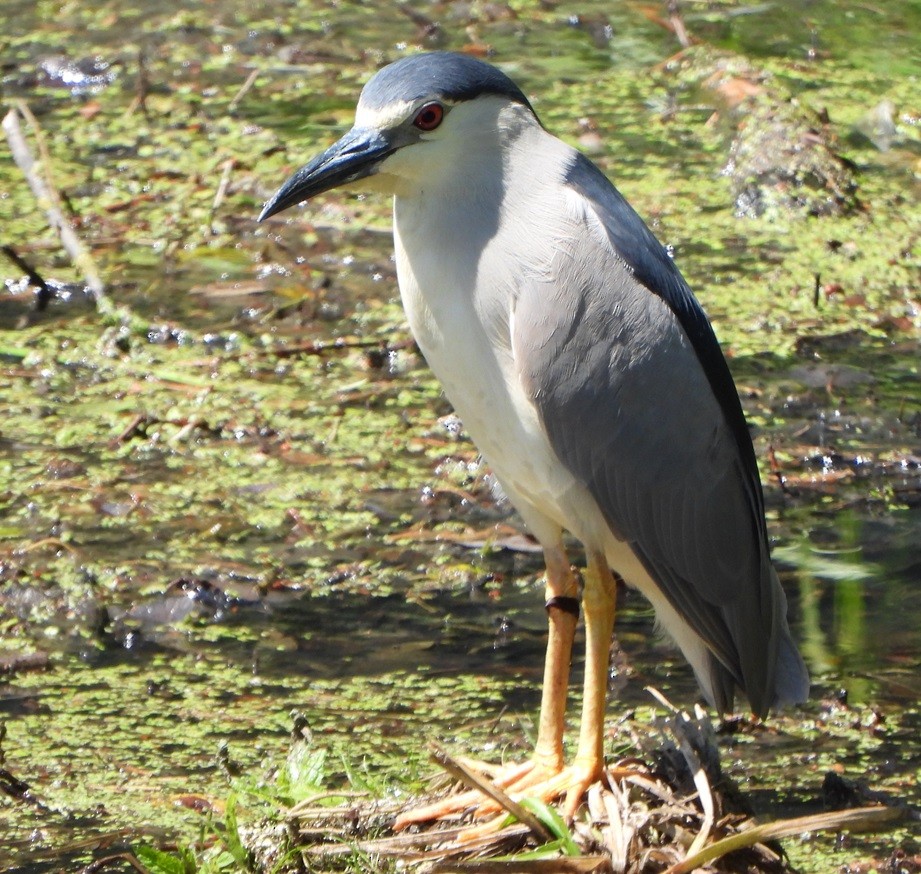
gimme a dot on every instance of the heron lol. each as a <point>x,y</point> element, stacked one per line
<point>589,379</point>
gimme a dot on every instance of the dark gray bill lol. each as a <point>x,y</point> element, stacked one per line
<point>356,155</point>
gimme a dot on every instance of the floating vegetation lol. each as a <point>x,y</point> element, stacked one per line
<point>234,494</point>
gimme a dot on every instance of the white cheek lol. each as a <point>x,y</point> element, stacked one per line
<point>409,168</point>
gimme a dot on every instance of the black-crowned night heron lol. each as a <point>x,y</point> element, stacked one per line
<point>587,375</point>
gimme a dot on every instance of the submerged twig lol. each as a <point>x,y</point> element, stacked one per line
<point>45,292</point>
<point>227,169</point>
<point>244,88</point>
<point>48,198</point>
<point>105,861</point>
<point>142,88</point>
<point>777,471</point>
<point>321,347</point>
<point>307,805</point>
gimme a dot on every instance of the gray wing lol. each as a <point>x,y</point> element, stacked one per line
<point>638,403</point>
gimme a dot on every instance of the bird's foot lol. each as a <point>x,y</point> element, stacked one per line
<point>533,779</point>
<point>573,782</point>
<point>504,777</point>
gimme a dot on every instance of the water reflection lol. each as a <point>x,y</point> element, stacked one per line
<point>857,620</point>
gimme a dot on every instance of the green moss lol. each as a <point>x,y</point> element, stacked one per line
<point>178,441</point>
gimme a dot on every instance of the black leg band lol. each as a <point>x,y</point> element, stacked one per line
<point>567,605</point>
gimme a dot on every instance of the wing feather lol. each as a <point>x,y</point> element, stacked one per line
<point>638,403</point>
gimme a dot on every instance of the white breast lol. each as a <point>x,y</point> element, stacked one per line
<point>458,276</point>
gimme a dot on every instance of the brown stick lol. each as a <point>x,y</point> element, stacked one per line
<point>227,166</point>
<point>48,198</point>
<point>473,780</point>
<point>142,87</point>
<point>861,818</point>
<point>250,81</point>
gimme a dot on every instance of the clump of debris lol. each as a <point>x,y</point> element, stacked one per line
<point>783,156</point>
<point>670,811</point>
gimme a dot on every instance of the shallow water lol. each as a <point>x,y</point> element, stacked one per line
<point>201,535</point>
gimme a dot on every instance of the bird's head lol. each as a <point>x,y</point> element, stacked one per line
<point>415,120</point>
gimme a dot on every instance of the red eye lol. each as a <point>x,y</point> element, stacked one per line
<point>429,117</point>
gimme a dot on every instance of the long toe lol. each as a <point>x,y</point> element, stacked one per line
<point>473,801</point>
<point>573,782</point>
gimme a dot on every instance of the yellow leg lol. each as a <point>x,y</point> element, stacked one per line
<point>562,594</point>
<point>545,776</point>
<point>599,601</point>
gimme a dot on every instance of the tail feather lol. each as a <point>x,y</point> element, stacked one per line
<point>791,679</point>
<point>770,670</point>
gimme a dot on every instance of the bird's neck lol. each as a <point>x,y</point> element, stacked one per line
<point>461,238</point>
<point>494,164</point>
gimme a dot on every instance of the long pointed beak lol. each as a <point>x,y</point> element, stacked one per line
<point>358,154</point>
